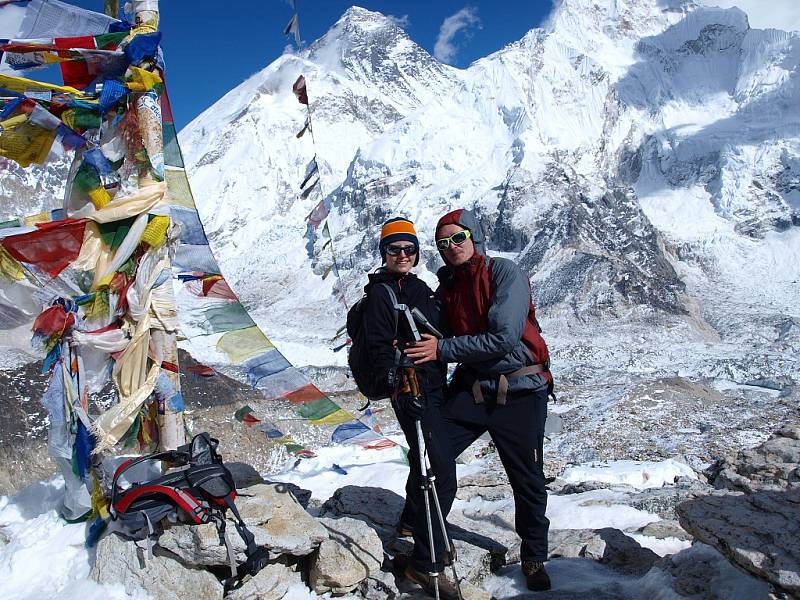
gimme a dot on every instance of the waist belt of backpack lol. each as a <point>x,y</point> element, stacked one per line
<point>502,383</point>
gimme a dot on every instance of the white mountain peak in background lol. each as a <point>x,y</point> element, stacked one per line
<point>640,160</point>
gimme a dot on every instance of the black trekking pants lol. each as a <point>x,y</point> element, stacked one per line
<point>517,430</point>
<point>442,463</point>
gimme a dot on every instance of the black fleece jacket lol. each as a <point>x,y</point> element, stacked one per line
<point>380,318</point>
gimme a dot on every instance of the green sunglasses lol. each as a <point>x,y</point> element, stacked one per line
<point>457,238</point>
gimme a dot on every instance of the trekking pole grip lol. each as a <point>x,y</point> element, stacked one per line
<point>411,378</point>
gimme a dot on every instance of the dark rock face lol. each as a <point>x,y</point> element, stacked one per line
<point>606,255</point>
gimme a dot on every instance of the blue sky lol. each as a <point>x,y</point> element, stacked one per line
<point>210,47</point>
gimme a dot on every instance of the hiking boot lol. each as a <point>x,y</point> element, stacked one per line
<point>535,576</point>
<point>400,562</point>
<point>447,590</point>
<point>404,530</point>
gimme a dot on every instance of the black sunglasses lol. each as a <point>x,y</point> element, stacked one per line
<point>396,250</point>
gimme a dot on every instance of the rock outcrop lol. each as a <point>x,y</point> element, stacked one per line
<point>774,465</point>
<point>753,519</point>
<point>352,553</point>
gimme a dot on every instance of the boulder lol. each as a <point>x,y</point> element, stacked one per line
<point>198,545</point>
<point>352,553</point>
<point>290,529</point>
<point>758,532</point>
<point>269,511</point>
<point>379,586</point>
<point>489,485</point>
<point>479,553</point>
<point>665,529</point>
<point>123,562</point>
<point>303,496</point>
<point>773,465</point>
<point>701,572</point>
<point>609,546</point>
<point>270,583</point>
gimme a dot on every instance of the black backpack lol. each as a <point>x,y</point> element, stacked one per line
<point>358,357</point>
<point>202,492</point>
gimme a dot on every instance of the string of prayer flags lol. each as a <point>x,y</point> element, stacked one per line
<point>247,417</point>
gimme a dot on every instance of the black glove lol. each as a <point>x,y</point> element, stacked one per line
<point>411,406</point>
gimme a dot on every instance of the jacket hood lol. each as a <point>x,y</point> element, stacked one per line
<point>466,219</point>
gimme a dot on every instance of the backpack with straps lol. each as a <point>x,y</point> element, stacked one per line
<point>358,357</point>
<point>202,492</point>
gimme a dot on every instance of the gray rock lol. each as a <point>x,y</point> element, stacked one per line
<point>123,563</point>
<point>379,586</point>
<point>773,465</point>
<point>665,529</point>
<point>270,583</point>
<point>609,546</point>
<point>694,572</point>
<point>290,530</point>
<point>270,512</point>
<point>759,532</point>
<point>662,501</point>
<point>490,529</point>
<point>199,544</point>
<point>489,485</point>
<point>479,553</point>
<point>474,564</point>
<point>351,554</point>
<point>559,486</point>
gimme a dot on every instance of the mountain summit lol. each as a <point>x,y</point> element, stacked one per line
<point>639,159</point>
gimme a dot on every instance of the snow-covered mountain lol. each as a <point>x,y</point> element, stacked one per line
<point>640,159</point>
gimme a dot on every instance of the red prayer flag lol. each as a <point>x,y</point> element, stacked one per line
<point>76,72</point>
<point>53,321</point>
<point>201,370</point>
<point>51,248</point>
<point>299,89</point>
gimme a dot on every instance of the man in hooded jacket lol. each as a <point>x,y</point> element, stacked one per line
<point>502,380</point>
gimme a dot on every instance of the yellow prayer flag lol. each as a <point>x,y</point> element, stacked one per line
<point>9,267</point>
<point>141,80</point>
<point>156,230</point>
<point>241,344</point>
<point>23,85</point>
<point>41,217</point>
<point>24,142</point>
<point>99,197</point>
<point>335,418</point>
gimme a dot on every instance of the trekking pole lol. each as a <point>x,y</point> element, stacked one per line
<point>429,490</point>
<point>411,378</point>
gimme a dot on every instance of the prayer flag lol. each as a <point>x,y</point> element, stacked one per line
<point>293,27</point>
<point>299,89</point>
<point>51,248</point>
<point>311,168</point>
